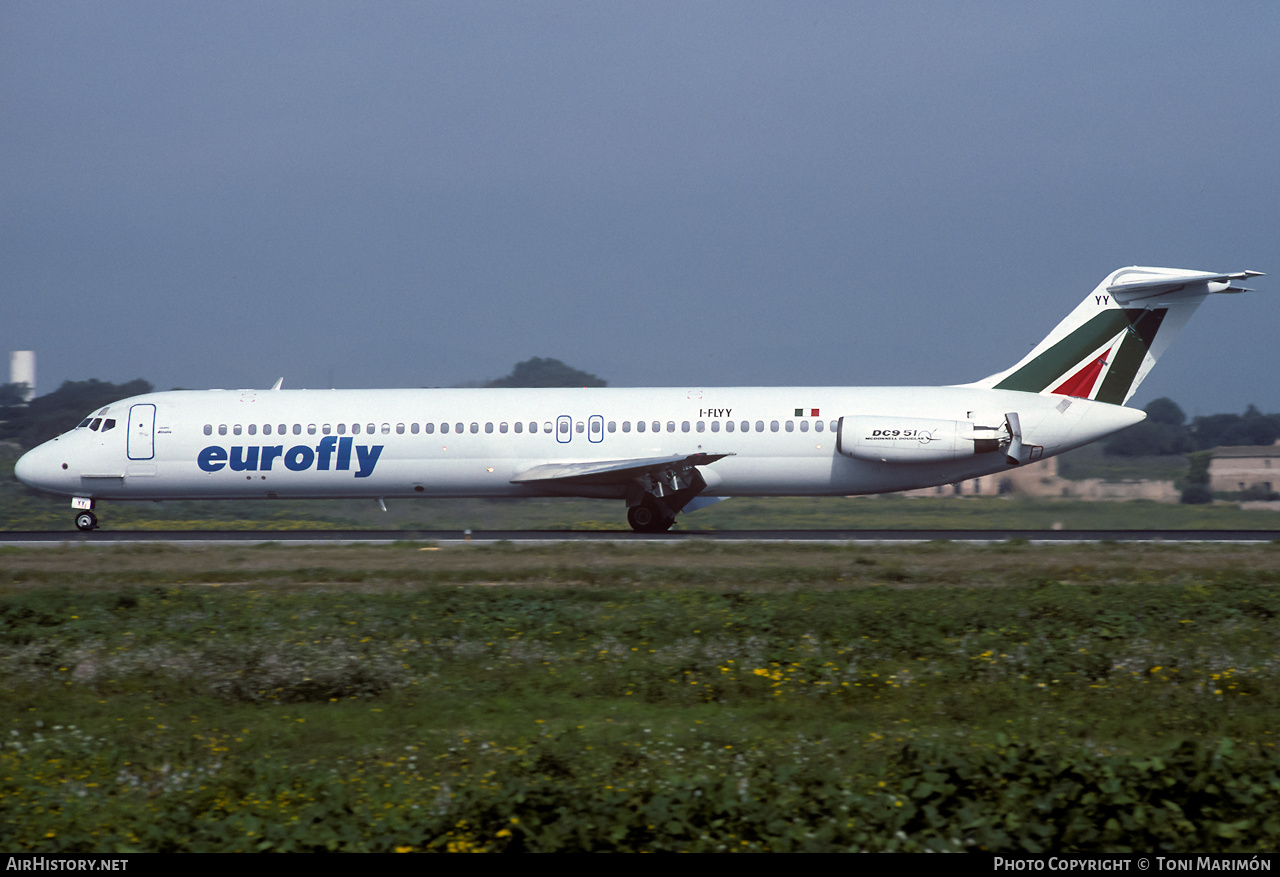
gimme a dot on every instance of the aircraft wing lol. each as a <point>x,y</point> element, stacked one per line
<point>1142,289</point>
<point>611,471</point>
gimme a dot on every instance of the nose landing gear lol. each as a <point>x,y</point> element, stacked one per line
<point>86,521</point>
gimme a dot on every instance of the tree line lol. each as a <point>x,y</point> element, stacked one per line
<point>1167,431</point>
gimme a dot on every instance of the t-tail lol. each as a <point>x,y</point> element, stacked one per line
<point>1108,344</point>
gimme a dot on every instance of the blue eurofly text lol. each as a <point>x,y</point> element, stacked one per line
<point>298,458</point>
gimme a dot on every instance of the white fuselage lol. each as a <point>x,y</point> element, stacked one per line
<point>391,443</point>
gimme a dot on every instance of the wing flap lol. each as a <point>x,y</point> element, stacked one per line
<point>609,471</point>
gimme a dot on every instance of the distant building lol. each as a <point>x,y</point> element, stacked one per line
<point>22,370</point>
<point>1041,479</point>
<point>1234,469</point>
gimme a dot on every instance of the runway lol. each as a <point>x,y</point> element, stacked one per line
<point>318,537</point>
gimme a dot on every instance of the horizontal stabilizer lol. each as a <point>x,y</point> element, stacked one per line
<point>610,471</point>
<point>1144,289</point>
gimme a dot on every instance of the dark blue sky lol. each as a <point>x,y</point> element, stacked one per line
<point>420,194</point>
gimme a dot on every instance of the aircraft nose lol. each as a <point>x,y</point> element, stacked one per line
<point>25,469</point>
<point>36,468</point>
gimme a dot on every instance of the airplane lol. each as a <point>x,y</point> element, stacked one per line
<point>662,451</point>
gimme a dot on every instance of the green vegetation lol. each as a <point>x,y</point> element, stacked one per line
<point>1196,491</point>
<point>52,414</point>
<point>539,372</point>
<point>640,697</point>
<point>1092,461</point>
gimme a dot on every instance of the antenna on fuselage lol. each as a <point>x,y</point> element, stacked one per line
<point>277,384</point>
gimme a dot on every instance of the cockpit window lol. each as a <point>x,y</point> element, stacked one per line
<point>97,421</point>
<point>84,422</point>
<point>108,424</point>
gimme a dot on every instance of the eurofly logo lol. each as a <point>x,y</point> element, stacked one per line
<point>299,458</point>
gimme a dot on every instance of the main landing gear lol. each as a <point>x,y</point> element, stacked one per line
<point>648,518</point>
<point>659,492</point>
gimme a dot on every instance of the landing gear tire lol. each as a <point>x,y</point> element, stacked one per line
<point>647,519</point>
<point>86,521</point>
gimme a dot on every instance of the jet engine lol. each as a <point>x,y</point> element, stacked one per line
<point>890,439</point>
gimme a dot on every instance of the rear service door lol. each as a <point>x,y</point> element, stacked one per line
<point>142,428</point>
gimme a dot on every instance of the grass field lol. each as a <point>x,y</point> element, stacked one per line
<point>624,697</point>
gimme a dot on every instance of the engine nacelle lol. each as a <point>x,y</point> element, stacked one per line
<point>914,439</point>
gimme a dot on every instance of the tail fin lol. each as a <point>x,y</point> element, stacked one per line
<point>1108,344</point>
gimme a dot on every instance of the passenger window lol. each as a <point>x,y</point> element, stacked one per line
<point>208,427</point>
<point>533,427</point>
<point>266,429</point>
<point>371,428</point>
<point>715,426</point>
<point>311,429</point>
<point>791,426</point>
<point>326,428</point>
<point>502,427</point>
<point>657,427</point>
<point>546,427</point>
<point>281,429</point>
<point>817,426</point>
<point>639,426</point>
<point>671,426</point>
<point>564,427</point>
<point>386,429</point>
<point>773,426</point>
<point>595,427</point>
<point>429,428</point>
<point>253,429</point>
<point>475,428</point>
<point>457,427</point>
<point>745,426</point>
<point>702,425</point>
<point>355,429</point>
<point>297,429</point>
<point>760,426</point>
<point>488,428</point>
<point>235,430</point>
<point>626,426</point>
<point>684,426</point>
<point>222,428</point>
<point>728,426</point>
<point>613,426</point>
<point>413,428</point>
<point>400,429</point>
<point>578,427</point>
<point>444,428</point>
<point>342,429</point>
<point>519,426</point>
<point>834,424</point>
<point>804,426</point>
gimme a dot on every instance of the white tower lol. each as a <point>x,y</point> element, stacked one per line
<point>22,370</point>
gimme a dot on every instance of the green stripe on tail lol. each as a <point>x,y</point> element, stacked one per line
<point>1050,367</point>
